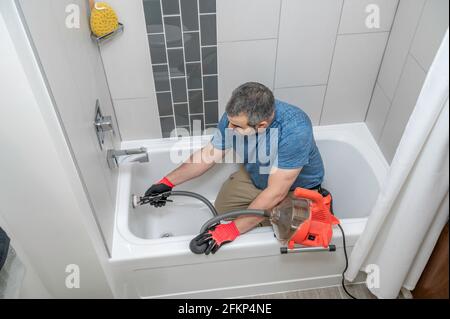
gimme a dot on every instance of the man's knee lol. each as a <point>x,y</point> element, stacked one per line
<point>234,195</point>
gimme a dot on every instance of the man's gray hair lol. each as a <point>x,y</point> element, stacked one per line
<point>254,100</point>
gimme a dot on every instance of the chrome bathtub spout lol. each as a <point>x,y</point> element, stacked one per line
<point>116,157</point>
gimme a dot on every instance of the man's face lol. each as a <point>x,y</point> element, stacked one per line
<point>240,125</point>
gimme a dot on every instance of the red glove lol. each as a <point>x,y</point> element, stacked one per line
<point>216,236</point>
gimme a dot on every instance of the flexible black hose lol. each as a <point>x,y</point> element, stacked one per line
<point>197,196</point>
<point>234,213</point>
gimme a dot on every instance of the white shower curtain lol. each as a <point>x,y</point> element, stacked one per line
<point>413,204</point>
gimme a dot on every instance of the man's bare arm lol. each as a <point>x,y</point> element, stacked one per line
<point>280,181</point>
<point>197,164</point>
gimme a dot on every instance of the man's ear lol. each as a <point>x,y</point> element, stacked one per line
<point>263,124</point>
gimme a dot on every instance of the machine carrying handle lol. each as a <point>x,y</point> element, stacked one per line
<point>286,250</point>
<point>314,196</point>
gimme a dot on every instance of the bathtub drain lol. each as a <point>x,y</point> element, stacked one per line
<point>165,235</point>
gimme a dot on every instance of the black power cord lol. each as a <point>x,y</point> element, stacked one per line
<point>345,253</point>
<point>346,264</point>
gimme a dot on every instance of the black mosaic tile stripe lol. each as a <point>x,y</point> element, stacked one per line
<point>170,7</point>
<point>172,26</point>
<point>207,6</point>
<point>176,62</point>
<point>179,90</point>
<point>182,36</point>
<point>210,88</point>
<point>157,48</point>
<point>161,76</point>
<point>189,14</point>
<point>208,29</point>
<point>192,46</point>
<point>164,103</point>
<point>209,60</point>
<point>211,112</point>
<point>194,75</point>
<point>196,102</point>
<point>167,125</point>
<point>181,114</point>
<point>153,16</point>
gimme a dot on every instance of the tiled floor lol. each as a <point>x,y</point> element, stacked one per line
<point>360,291</point>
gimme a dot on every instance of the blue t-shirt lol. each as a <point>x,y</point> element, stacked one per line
<point>287,143</point>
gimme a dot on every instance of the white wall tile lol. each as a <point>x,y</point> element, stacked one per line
<point>402,34</point>
<point>75,76</point>
<point>241,62</point>
<point>51,226</point>
<point>138,119</point>
<point>353,74</point>
<point>378,111</point>
<point>354,15</point>
<point>308,98</point>
<point>430,32</point>
<point>247,19</point>
<point>404,102</point>
<point>307,36</point>
<point>127,57</point>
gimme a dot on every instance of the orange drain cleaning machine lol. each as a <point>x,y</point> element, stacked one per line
<point>306,219</point>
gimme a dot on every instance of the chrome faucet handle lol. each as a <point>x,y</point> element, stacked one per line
<point>113,155</point>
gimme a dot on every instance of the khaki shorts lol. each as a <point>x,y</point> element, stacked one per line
<point>238,192</point>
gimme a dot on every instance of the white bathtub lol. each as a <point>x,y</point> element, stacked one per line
<point>147,265</point>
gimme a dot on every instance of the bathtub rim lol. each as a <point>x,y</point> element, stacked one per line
<point>126,245</point>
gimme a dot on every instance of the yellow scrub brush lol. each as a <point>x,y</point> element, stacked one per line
<point>103,19</point>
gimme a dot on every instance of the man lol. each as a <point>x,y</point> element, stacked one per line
<point>254,122</point>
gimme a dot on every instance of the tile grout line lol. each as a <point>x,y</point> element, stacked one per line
<point>201,64</point>
<point>168,67</point>
<point>381,63</point>
<point>209,46</point>
<point>377,84</point>
<point>384,91</point>
<point>299,86</point>
<point>184,63</point>
<point>160,64</point>
<point>417,61</point>
<point>402,71</point>
<point>332,60</point>
<point>363,33</point>
<point>172,15</point>
<point>277,46</point>
<point>247,40</point>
